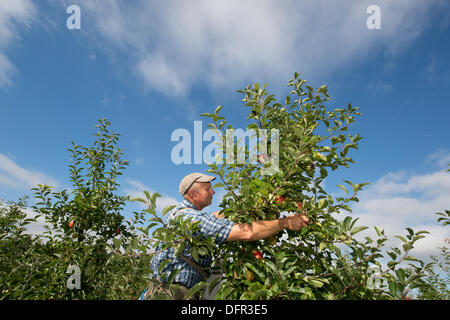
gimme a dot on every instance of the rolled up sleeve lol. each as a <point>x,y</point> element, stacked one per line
<point>215,227</point>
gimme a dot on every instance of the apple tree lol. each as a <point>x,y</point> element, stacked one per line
<point>324,260</point>
<point>84,227</point>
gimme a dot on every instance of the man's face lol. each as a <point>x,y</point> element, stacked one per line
<point>203,194</point>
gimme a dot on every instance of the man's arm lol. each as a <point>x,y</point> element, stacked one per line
<point>264,229</point>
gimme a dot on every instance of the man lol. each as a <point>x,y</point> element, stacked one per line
<point>197,192</point>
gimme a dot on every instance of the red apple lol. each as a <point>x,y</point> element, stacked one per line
<point>299,204</point>
<point>117,231</point>
<point>71,223</point>
<point>279,199</point>
<point>258,255</point>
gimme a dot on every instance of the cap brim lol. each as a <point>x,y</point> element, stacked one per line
<point>205,178</point>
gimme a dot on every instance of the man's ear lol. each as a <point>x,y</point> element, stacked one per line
<point>191,194</point>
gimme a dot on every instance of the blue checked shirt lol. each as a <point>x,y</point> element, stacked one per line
<point>210,225</point>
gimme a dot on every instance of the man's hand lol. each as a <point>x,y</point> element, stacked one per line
<point>295,222</point>
<point>218,214</point>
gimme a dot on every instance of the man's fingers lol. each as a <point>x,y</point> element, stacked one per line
<point>301,216</point>
<point>298,221</point>
<point>218,214</point>
<point>306,219</point>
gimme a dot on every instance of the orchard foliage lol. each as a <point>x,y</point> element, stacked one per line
<point>85,226</point>
<point>92,209</point>
<point>324,260</point>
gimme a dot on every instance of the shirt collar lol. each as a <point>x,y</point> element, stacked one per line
<point>188,204</point>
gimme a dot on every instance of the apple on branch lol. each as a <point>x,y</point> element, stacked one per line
<point>279,199</point>
<point>258,255</point>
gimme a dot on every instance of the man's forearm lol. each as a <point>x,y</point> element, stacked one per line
<point>264,229</point>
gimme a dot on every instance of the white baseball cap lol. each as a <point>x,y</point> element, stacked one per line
<point>189,180</point>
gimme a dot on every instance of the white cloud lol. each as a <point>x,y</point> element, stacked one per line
<point>37,227</point>
<point>6,71</point>
<point>33,228</point>
<point>12,14</point>
<point>380,87</point>
<point>441,157</point>
<point>14,176</point>
<point>161,75</point>
<point>136,191</point>
<point>400,200</point>
<point>397,184</point>
<point>175,45</point>
<point>436,69</point>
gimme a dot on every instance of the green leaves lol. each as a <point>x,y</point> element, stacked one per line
<point>321,203</point>
<point>357,229</point>
<point>322,246</point>
<point>161,267</point>
<point>444,218</point>
<point>343,188</point>
<point>316,253</point>
<point>356,187</point>
<point>196,288</point>
<point>303,155</point>
<point>92,202</point>
<point>179,249</point>
<point>256,270</point>
<point>168,209</point>
<point>214,116</point>
<point>84,227</point>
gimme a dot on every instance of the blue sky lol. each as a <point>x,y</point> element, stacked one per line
<point>152,67</point>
